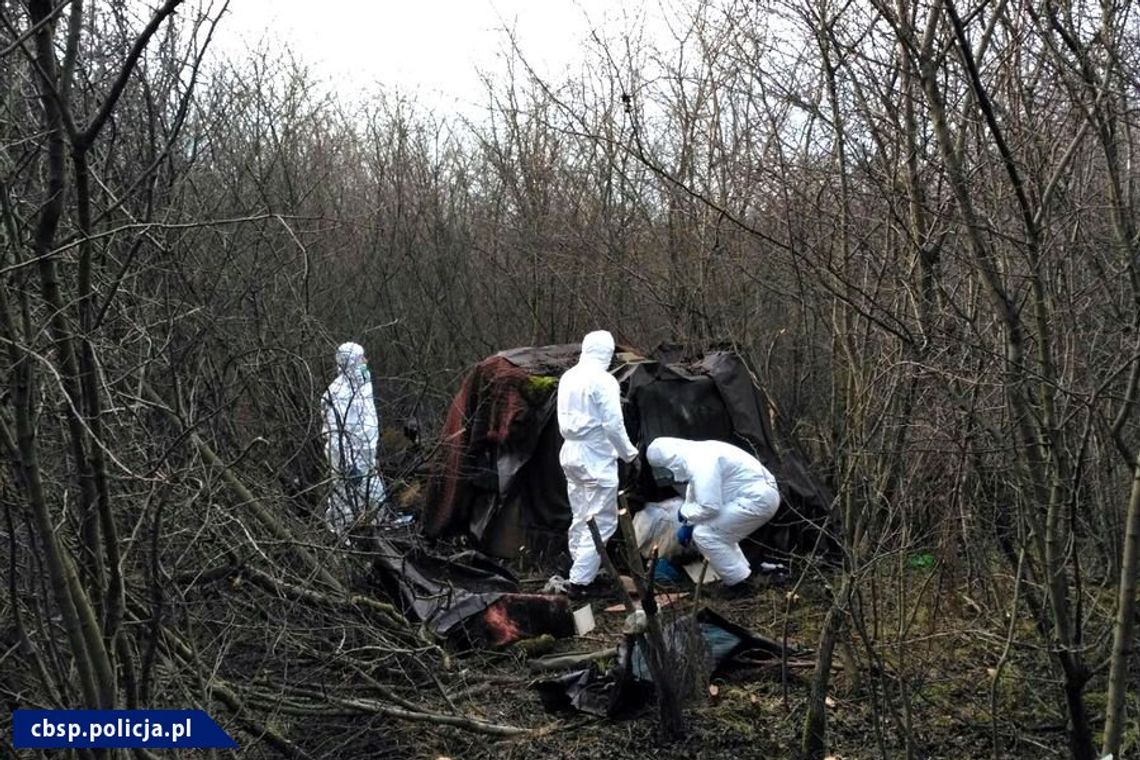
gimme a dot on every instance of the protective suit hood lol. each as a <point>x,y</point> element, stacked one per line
<point>598,349</point>
<point>350,363</point>
<point>667,453</point>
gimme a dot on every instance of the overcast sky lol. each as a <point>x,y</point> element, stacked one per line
<point>431,48</point>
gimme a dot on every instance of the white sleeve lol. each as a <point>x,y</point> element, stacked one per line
<point>704,496</point>
<point>609,400</point>
<point>370,423</point>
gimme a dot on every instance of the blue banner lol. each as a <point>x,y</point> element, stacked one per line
<point>153,729</point>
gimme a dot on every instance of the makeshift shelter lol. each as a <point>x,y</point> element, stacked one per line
<point>497,478</point>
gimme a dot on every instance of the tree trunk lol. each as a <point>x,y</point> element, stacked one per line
<point>813,745</point>
<point>1125,619</point>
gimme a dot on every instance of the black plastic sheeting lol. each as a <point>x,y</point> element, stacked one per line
<point>627,687</point>
<point>442,592</point>
<point>466,598</point>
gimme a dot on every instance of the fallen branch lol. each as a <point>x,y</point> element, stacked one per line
<point>346,706</point>
<point>569,660</point>
<point>480,688</point>
<point>224,694</point>
<point>266,581</point>
<point>459,721</point>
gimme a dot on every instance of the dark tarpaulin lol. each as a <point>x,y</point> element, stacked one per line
<point>439,591</point>
<point>802,497</point>
<point>535,511</point>
<point>466,597</point>
<point>666,400</point>
<point>628,686</point>
<point>544,360</point>
<point>500,480</point>
<point>727,644</point>
<point>485,484</point>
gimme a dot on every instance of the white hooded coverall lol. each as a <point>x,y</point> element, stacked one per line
<point>352,436</point>
<point>590,420</point>
<point>728,496</point>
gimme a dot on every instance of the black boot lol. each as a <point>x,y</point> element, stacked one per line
<point>599,588</point>
<point>740,590</point>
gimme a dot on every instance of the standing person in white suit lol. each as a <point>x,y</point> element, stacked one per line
<point>590,420</point>
<point>729,494</point>
<point>352,437</point>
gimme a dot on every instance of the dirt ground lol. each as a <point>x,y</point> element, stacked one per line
<point>943,666</point>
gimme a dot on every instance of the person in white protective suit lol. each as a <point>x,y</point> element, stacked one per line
<point>352,435</point>
<point>728,495</point>
<point>590,420</point>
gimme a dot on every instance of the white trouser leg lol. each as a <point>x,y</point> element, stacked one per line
<point>719,539</point>
<point>722,552</point>
<point>586,500</point>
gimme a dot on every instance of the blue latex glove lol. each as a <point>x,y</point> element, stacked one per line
<point>681,518</point>
<point>685,535</point>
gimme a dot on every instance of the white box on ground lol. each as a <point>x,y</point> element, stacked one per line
<point>693,569</point>
<point>584,620</point>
